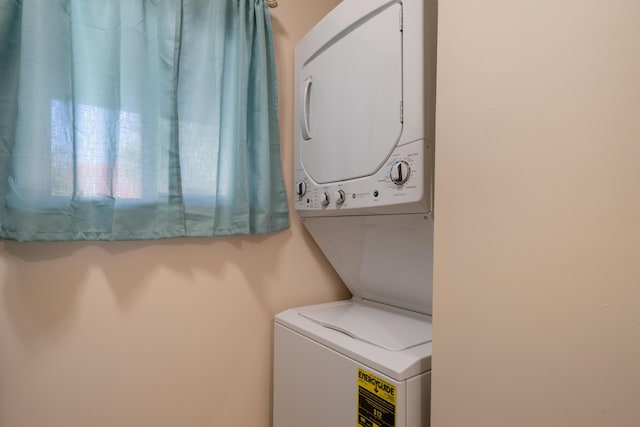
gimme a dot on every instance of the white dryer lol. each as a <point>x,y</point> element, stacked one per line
<point>364,149</point>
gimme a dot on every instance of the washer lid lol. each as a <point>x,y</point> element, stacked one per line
<point>349,110</point>
<point>376,324</point>
<point>399,365</point>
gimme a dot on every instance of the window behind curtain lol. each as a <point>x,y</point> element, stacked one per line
<point>134,119</point>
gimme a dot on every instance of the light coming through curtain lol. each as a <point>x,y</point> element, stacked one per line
<point>138,119</point>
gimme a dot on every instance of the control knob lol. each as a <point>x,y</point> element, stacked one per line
<point>400,172</point>
<point>301,188</point>
<point>324,199</point>
<point>339,196</point>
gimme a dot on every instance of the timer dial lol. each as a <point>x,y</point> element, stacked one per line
<point>400,172</point>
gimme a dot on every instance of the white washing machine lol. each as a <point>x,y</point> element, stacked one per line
<point>364,149</point>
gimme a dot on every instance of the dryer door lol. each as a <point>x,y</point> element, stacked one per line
<point>350,107</point>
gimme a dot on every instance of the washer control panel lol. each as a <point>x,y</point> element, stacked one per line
<point>401,179</point>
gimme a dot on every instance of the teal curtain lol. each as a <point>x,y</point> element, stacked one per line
<point>138,119</point>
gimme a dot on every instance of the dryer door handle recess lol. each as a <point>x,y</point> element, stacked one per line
<point>306,104</point>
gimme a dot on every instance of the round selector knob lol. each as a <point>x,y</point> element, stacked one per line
<point>400,172</point>
<point>324,199</point>
<point>339,196</point>
<point>301,188</point>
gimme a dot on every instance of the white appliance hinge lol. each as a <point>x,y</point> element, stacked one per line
<point>401,112</point>
<point>400,18</point>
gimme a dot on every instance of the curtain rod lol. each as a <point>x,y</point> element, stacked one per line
<point>272,3</point>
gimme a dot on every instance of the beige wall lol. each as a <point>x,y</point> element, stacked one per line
<point>537,281</point>
<point>175,333</point>
<point>537,269</point>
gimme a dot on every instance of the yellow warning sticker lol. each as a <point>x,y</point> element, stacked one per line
<point>376,401</point>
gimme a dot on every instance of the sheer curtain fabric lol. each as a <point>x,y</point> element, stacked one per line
<point>138,119</point>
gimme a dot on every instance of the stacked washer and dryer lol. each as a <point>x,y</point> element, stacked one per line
<point>364,151</point>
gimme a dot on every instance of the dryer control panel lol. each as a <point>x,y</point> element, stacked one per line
<point>399,182</point>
